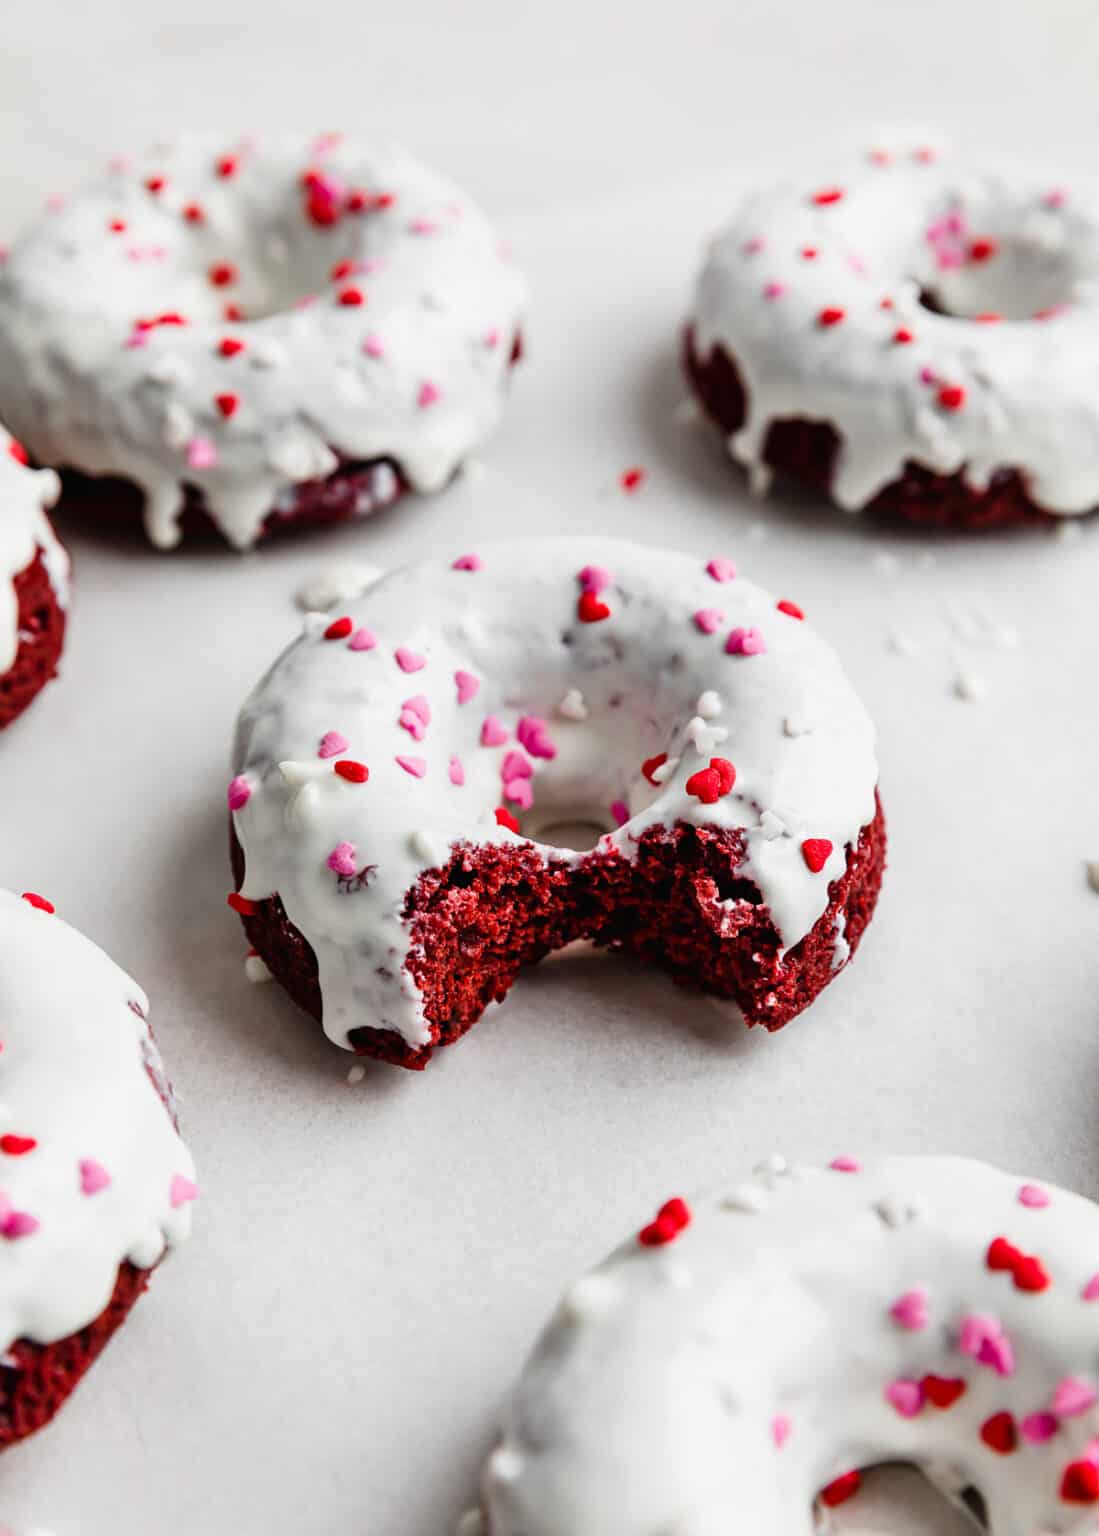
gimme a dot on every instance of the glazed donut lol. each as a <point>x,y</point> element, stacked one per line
<point>743,1354</point>
<point>95,1183</point>
<point>265,334</point>
<point>34,581</point>
<point>401,769</point>
<point>916,337</point>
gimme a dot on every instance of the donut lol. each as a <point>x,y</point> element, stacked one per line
<point>912,338</point>
<point>257,335</point>
<point>34,581</point>
<point>401,770</point>
<point>95,1183</point>
<point>748,1352</point>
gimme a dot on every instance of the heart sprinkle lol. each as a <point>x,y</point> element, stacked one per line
<point>671,1219</point>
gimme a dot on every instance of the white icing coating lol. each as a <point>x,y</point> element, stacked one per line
<point>603,696</point>
<point>108,1178</point>
<point>25,495</point>
<point>786,1336</point>
<point>377,316</point>
<point>1012,247</point>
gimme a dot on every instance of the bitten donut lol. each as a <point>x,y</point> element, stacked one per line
<point>919,337</point>
<point>34,581</point>
<point>400,771</point>
<point>261,333</point>
<point>744,1354</point>
<point>95,1183</point>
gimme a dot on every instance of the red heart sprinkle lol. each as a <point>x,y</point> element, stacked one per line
<point>17,1146</point>
<point>705,785</point>
<point>591,608</point>
<point>351,298</point>
<point>952,397</point>
<point>983,250</point>
<point>229,346</point>
<point>842,1489</point>
<point>726,773</point>
<point>828,195</point>
<point>670,1221</point>
<point>1080,1483</point>
<point>193,213</point>
<point>18,452</point>
<point>816,852</point>
<point>632,479</point>
<point>341,270</point>
<point>353,772</point>
<point>1000,1434</point>
<point>942,1391</point>
<point>227,404</point>
<point>1002,1254</point>
<point>241,904</point>
<point>339,629</point>
<point>651,764</point>
<point>504,818</point>
<point>222,274</point>
<point>784,605</point>
<point>902,336</point>
<point>1030,1274</point>
<point>154,183</point>
<point>38,901</point>
<point>117,226</point>
<point>831,316</point>
<point>227,166</point>
<point>808,253</point>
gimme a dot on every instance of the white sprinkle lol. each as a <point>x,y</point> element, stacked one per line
<point>334,584</point>
<point>590,1298</point>
<point>971,687</point>
<point>704,738</point>
<point>709,704</point>
<point>425,847</point>
<point>384,484</point>
<point>357,1073</point>
<point>746,1198</point>
<point>572,706</point>
<point>772,826</point>
<point>896,1212</point>
<point>798,725</point>
<point>167,369</point>
<point>296,772</point>
<point>266,354</point>
<point>256,968</point>
<point>179,425</point>
<point>1068,530</point>
<point>665,770</point>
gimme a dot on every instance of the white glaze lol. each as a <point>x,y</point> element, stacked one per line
<point>83,388</point>
<point>1031,385</point>
<point>650,1404</point>
<point>620,691</point>
<point>25,530</point>
<point>73,1076</point>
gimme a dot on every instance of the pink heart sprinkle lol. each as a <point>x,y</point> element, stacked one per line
<point>515,766</point>
<point>493,733</point>
<point>1034,1197</point>
<point>910,1310</point>
<point>1037,1428</point>
<point>984,1340</point>
<point>1091,1290</point>
<point>416,766</point>
<point>928,375</point>
<point>332,744</point>
<point>419,706</point>
<point>845,1165</point>
<point>456,771</point>
<point>201,453</point>
<point>468,686</point>
<point>373,346</point>
<point>362,640</point>
<point>342,859</point>
<point>520,792</point>
<point>533,733</point>
<point>720,568</point>
<point>409,661</point>
<point>1072,1397</point>
<point>428,395</point>
<point>753,246</point>
<point>93,1176</point>
<point>621,812</point>
<point>181,1191</point>
<point>594,578</point>
<point>709,620</point>
<point>780,1429</point>
<point>468,563</point>
<point>773,290</point>
<point>240,792</point>
<point>906,1397</point>
<point>17,1224</point>
<point>745,642</point>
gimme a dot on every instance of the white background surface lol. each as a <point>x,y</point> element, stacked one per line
<point>370,1263</point>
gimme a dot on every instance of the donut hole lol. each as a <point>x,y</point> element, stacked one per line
<point>1011,272</point>
<point>580,833</point>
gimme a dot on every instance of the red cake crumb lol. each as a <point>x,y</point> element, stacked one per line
<point>806,452</point>
<point>36,1379</point>
<point>41,638</point>
<point>681,905</point>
